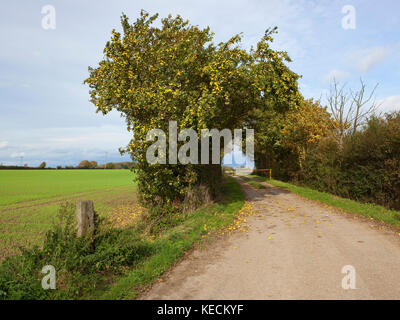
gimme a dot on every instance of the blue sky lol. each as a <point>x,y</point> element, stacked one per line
<point>45,113</point>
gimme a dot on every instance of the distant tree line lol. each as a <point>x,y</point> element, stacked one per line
<point>84,164</point>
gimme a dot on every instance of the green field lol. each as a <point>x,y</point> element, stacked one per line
<point>29,199</point>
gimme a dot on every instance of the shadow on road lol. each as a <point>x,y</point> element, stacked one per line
<point>254,194</point>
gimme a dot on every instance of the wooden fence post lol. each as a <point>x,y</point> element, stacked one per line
<point>84,217</point>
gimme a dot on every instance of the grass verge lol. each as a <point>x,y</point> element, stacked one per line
<point>253,183</point>
<point>173,243</point>
<point>365,209</point>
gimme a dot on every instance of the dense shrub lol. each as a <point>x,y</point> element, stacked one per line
<point>368,167</point>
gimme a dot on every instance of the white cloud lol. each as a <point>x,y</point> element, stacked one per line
<point>17,154</point>
<point>371,57</point>
<point>107,138</point>
<point>65,145</point>
<point>3,144</point>
<point>339,75</point>
<point>391,103</point>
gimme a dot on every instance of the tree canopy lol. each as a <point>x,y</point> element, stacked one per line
<point>153,75</point>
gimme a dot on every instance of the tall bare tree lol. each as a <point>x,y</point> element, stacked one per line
<point>350,108</point>
<point>338,101</point>
<point>364,105</point>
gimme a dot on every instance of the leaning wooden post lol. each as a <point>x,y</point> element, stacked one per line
<point>84,217</point>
